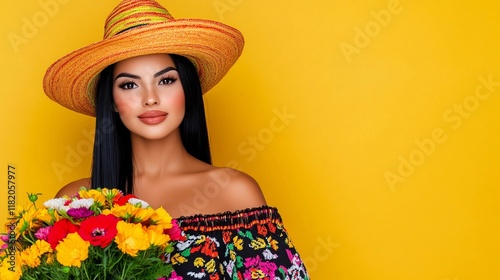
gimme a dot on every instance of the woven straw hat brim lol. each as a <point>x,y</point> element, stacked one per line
<point>212,46</point>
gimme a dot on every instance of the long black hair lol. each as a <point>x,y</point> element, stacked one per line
<point>112,163</point>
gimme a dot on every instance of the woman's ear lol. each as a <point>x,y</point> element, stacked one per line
<point>114,108</point>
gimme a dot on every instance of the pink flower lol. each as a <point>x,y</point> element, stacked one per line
<point>175,232</point>
<point>174,276</point>
<point>43,233</point>
<point>4,238</point>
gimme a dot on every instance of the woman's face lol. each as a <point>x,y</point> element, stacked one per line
<point>148,95</point>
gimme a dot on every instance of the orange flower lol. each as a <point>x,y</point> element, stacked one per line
<point>162,218</point>
<point>131,238</point>
<point>72,250</point>
<point>157,238</point>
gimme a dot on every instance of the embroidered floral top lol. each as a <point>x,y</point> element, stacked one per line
<point>247,244</point>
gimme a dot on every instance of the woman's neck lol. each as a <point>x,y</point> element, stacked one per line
<point>157,158</point>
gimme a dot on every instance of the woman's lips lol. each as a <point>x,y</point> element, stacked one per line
<point>153,117</point>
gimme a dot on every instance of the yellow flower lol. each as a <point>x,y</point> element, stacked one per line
<point>42,247</point>
<point>158,229</point>
<point>110,193</point>
<point>31,255</point>
<point>131,238</point>
<point>28,257</point>
<point>11,269</point>
<point>142,214</point>
<point>72,250</point>
<point>124,212</point>
<point>32,219</point>
<point>50,258</point>
<point>157,238</point>
<point>98,197</point>
<point>162,218</point>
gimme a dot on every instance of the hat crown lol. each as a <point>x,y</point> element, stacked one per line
<point>130,14</point>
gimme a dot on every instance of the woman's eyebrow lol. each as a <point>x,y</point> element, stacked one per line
<point>156,75</point>
<point>170,68</point>
<point>127,75</point>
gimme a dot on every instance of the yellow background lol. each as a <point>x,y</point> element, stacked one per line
<point>365,122</point>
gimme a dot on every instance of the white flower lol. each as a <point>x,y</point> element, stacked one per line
<point>55,203</point>
<point>82,203</point>
<point>138,202</point>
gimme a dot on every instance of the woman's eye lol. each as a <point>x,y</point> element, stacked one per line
<point>127,85</point>
<point>167,81</point>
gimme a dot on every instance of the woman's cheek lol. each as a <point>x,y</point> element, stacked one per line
<point>121,107</point>
<point>178,101</point>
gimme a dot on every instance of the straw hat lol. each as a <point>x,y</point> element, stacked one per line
<point>141,27</point>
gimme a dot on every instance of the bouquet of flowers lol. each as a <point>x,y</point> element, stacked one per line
<point>96,234</point>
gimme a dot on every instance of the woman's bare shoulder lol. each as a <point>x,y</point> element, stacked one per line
<point>241,189</point>
<point>73,187</point>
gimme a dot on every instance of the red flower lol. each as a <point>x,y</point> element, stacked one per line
<point>122,200</point>
<point>59,231</point>
<point>99,230</point>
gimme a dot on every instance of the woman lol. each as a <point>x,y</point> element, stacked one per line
<point>146,79</point>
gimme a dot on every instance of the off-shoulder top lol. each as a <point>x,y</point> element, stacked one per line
<point>246,244</point>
